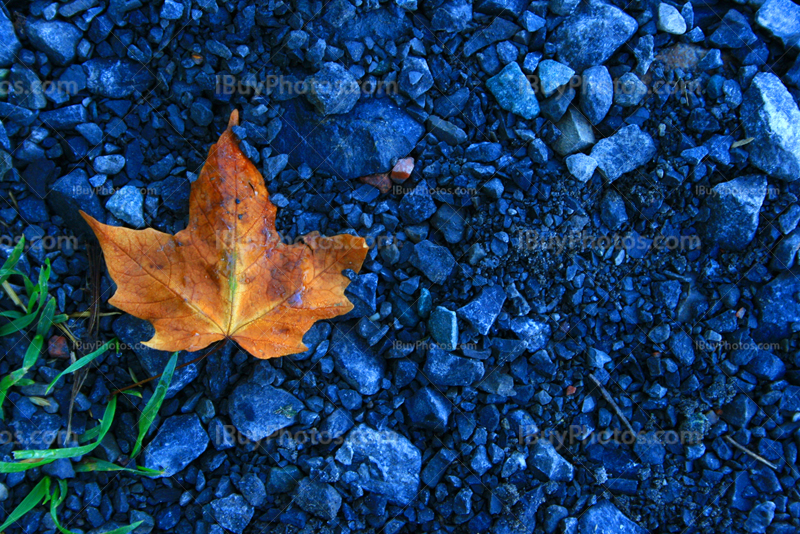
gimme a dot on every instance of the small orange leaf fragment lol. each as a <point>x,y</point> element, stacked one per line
<point>379,181</point>
<point>228,275</point>
<point>402,170</point>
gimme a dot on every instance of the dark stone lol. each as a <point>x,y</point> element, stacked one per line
<point>318,498</point>
<point>435,261</point>
<point>365,141</point>
<point>116,78</point>
<point>593,32</point>
<point>232,513</point>
<point>482,311</point>
<point>393,463</point>
<point>446,369</point>
<point>428,408</point>
<point>356,362</point>
<point>55,38</point>
<point>258,410</point>
<point>734,207</point>
<point>180,440</point>
<point>605,517</point>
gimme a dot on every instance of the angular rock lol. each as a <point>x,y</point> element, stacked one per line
<point>553,75</point>
<point>605,517</point>
<point>769,115</point>
<point>64,118</point>
<point>333,90</point>
<point>443,327</point>
<point>393,463</point>
<point>435,261</point>
<point>597,93</point>
<point>180,440</point>
<point>356,362</point>
<point>581,166</point>
<point>446,131</point>
<point>778,306</point>
<point>513,91</point>
<point>258,410</point>
<point>593,32</point>
<point>127,204</point>
<point>57,39</point>
<point>733,32</point>
<point>116,78</point>
<point>547,464</point>
<point>781,18</point>
<point>629,90</point>
<point>670,20</point>
<point>444,368</point>
<point>427,408</point>
<point>9,43</point>
<point>318,498</point>
<point>625,151</point>
<point>576,133</point>
<point>536,334</point>
<point>365,141</point>
<point>415,78</point>
<point>72,193</point>
<point>451,16</point>
<point>233,512</point>
<point>734,207</point>
<point>483,310</point>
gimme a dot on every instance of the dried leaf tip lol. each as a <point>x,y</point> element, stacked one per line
<point>234,120</point>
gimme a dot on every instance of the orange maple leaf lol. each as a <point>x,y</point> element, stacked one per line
<point>228,275</point>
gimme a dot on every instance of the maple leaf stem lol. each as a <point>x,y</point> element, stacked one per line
<point>213,349</point>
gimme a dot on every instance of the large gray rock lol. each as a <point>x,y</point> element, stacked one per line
<point>779,306</point>
<point>597,93</point>
<point>179,441</point>
<point>781,18</point>
<point>365,141</point>
<point>9,44</point>
<point>57,39</point>
<point>356,362</point>
<point>734,208</point>
<point>391,463</point>
<point>770,116</point>
<point>606,518</point>
<point>116,78</point>
<point>592,34</point>
<point>127,204</point>
<point>258,410</point>
<point>513,91</point>
<point>626,150</point>
<point>333,90</point>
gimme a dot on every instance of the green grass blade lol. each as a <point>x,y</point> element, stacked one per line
<point>80,364</point>
<point>8,266</point>
<point>46,318</point>
<point>55,454</point>
<point>88,465</point>
<point>58,496</point>
<point>17,324</point>
<point>18,467</point>
<point>154,404</point>
<point>37,495</point>
<point>31,355</point>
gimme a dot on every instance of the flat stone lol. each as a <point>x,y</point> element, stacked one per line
<point>781,18</point>
<point>180,440</point>
<point>769,115</point>
<point>596,93</point>
<point>258,410</point>
<point>623,152</point>
<point>591,34</point>
<point>393,463</point>
<point>576,133</point>
<point>734,207</point>
<point>513,91</point>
